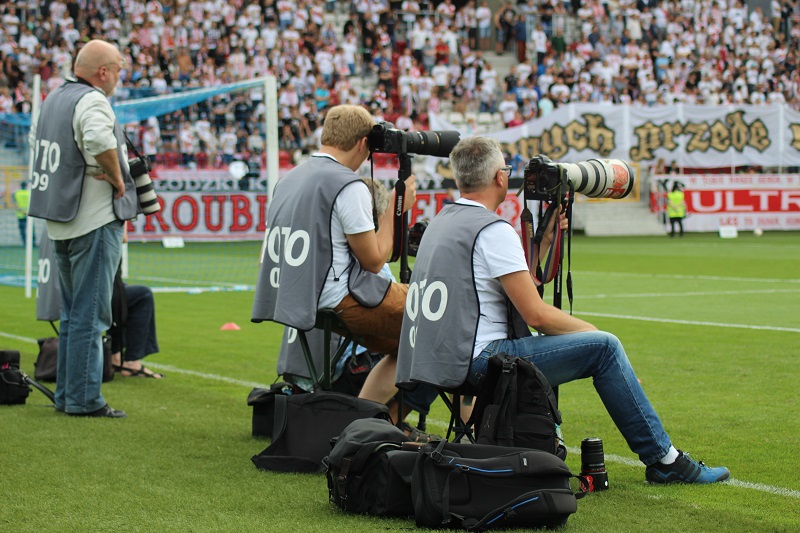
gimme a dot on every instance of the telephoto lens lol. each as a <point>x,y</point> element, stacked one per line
<point>593,466</point>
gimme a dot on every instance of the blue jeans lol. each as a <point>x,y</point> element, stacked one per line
<point>138,335</point>
<point>599,355</point>
<point>86,266</point>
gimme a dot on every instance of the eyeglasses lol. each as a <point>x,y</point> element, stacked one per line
<point>121,65</point>
<point>506,169</point>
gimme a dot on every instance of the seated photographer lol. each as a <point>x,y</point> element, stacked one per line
<point>322,251</point>
<point>351,370</point>
<point>136,338</point>
<point>470,264</point>
<point>133,332</point>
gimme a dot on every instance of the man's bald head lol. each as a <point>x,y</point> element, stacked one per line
<point>94,55</point>
<point>99,63</point>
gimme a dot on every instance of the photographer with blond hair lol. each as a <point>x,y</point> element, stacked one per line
<point>322,250</point>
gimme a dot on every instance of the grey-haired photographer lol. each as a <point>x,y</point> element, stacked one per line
<point>467,246</point>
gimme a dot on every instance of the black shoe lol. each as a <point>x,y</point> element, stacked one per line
<point>105,412</point>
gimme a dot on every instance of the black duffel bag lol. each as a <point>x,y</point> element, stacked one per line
<point>368,470</point>
<point>453,488</point>
<point>263,403</point>
<point>304,426</point>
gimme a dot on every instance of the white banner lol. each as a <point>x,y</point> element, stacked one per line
<point>690,135</point>
<point>746,201</point>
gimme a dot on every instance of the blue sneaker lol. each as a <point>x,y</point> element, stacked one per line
<point>685,470</point>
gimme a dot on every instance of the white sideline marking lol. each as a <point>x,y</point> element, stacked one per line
<point>611,458</point>
<point>198,290</point>
<point>17,337</point>
<point>684,276</point>
<point>680,294</point>
<point>690,322</point>
<point>627,461</point>
<point>216,377</point>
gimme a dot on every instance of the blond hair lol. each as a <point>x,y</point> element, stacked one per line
<point>345,125</point>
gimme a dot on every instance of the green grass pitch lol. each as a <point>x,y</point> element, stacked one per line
<point>711,325</point>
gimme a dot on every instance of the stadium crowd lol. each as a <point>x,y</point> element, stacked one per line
<point>402,59</point>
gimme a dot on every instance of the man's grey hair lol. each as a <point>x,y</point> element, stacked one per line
<point>475,161</point>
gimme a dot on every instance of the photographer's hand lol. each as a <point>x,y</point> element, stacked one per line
<point>549,233</point>
<point>110,164</point>
<point>411,193</point>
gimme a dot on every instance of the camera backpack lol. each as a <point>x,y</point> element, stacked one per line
<point>15,384</point>
<point>13,388</point>
<point>304,425</point>
<point>517,407</point>
<point>368,470</point>
<point>476,487</point>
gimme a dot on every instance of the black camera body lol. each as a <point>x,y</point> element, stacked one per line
<point>415,234</point>
<point>596,178</point>
<point>385,138</point>
<point>139,166</point>
<point>545,181</point>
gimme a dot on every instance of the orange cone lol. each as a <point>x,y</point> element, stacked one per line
<point>230,326</point>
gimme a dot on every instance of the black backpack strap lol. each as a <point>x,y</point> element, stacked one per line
<point>269,460</point>
<point>355,464</point>
<point>279,424</point>
<point>494,517</point>
<point>506,396</point>
<point>38,386</point>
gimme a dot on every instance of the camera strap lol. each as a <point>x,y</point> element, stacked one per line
<point>399,199</point>
<point>547,273</point>
<point>526,221</point>
<point>569,244</point>
<point>131,146</point>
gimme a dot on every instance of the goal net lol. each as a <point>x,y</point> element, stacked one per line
<point>208,232</point>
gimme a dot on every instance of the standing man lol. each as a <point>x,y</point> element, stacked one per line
<point>83,188</point>
<point>322,251</point>
<point>22,198</point>
<point>471,280</point>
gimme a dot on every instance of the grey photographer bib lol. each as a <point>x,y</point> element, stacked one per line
<point>59,167</point>
<point>298,252</point>
<point>48,289</point>
<point>292,362</point>
<point>442,311</point>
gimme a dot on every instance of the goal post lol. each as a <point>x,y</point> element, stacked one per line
<point>138,110</point>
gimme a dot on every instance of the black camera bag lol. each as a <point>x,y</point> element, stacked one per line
<point>14,390</point>
<point>263,403</point>
<point>368,470</point>
<point>47,361</point>
<point>304,426</point>
<point>517,407</point>
<point>46,365</point>
<point>461,486</point>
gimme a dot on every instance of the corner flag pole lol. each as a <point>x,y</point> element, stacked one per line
<point>271,123</point>
<point>36,104</point>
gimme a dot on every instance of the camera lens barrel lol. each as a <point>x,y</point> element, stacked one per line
<point>593,466</point>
